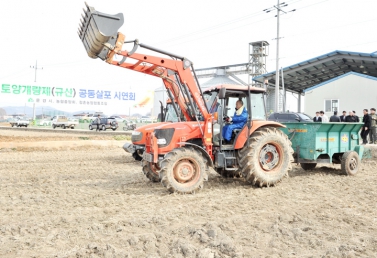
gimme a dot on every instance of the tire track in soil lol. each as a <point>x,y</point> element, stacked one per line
<point>97,203</point>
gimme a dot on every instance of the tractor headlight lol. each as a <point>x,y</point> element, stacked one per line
<point>136,136</point>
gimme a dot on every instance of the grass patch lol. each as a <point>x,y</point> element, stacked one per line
<point>83,138</point>
<point>122,137</point>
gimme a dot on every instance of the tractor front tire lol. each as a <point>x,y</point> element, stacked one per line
<point>268,158</point>
<point>138,155</point>
<point>184,170</point>
<point>150,170</point>
<point>350,163</point>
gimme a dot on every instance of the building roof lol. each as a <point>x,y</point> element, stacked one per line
<point>339,77</point>
<point>304,75</point>
<point>218,80</point>
<point>236,87</point>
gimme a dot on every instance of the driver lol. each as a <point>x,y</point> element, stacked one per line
<point>239,119</point>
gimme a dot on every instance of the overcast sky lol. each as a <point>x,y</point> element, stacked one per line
<point>210,33</point>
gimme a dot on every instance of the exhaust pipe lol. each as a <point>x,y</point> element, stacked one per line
<point>99,32</point>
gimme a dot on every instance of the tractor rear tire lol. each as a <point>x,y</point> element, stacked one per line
<point>350,163</point>
<point>268,158</point>
<point>151,171</point>
<point>308,166</point>
<point>183,170</point>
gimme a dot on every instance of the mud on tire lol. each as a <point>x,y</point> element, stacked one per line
<point>268,158</point>
<point>184,170</point>
<point>350,163</point>
<point>150,170</point>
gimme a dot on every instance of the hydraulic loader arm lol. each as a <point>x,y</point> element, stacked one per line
<point>100,36</point>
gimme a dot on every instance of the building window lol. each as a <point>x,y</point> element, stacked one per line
<point>331,105</point>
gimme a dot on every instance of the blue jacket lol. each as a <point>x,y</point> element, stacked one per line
<point>240,119</point>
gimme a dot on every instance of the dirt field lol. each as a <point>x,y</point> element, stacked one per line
<point>95,202</point>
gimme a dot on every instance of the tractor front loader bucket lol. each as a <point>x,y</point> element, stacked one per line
<point>98,31</point>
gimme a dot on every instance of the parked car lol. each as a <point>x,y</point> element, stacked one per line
<point>63,122</point>
<point>283,117</point>
<point>118,119</point>
<point>44,122</point>
<point>19,121</point>
<point>106,123</point>
<point>90,117</point>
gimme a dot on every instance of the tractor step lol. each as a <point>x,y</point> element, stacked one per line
<point>230,168</point>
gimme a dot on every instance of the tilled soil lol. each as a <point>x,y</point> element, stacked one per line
<point>95,202</point>
<point>30,136</point>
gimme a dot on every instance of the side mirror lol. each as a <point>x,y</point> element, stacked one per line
<point>219,114</point>
<point>298,119</point>
<point>222,93</point>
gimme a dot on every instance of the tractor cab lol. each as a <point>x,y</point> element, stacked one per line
<point>224,98</point>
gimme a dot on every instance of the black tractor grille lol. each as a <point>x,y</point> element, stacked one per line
<point>167,134</point>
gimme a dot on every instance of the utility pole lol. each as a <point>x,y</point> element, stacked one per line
<point>279,9</point>
<point>36,68</point>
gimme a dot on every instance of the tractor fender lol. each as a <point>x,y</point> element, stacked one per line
<point>201,150</point>
<point>241,137</point>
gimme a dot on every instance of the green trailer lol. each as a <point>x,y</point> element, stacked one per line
<point>315,143</point>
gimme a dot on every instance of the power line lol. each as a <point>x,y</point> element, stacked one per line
<point>220,25</point>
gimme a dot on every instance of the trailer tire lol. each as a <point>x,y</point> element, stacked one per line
<point>268,158</point>
<point>308,166</point>
<point>350,163</point>
<point>183,170</point>
<point>150,170</point>
<point>53,126</point>
<point>63,126</point>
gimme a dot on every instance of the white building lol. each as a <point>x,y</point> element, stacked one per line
<point>339,80</point>
<point>350,91</point>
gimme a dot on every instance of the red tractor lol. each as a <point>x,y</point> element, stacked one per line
<point>180,154</point>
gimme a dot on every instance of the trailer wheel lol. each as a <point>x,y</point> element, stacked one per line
<point>72,127</point>
<point>150,170</point>
<point>63,126</point>
<point>53,126</point>
<point>183,170</point>
<point>350,163</point>
<point>308,166</point>
<point>268,158</point>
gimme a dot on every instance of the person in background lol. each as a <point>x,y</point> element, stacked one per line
<point>373,127</point>
<point>366,126</point>
<point>239,119</point>
<point>357,119</point>
<point>343,117</point>
<point>325,119</point>
<point>351,118</point>
<point>98,122</point>
<point>335,117</point>
<point>317,118</point>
